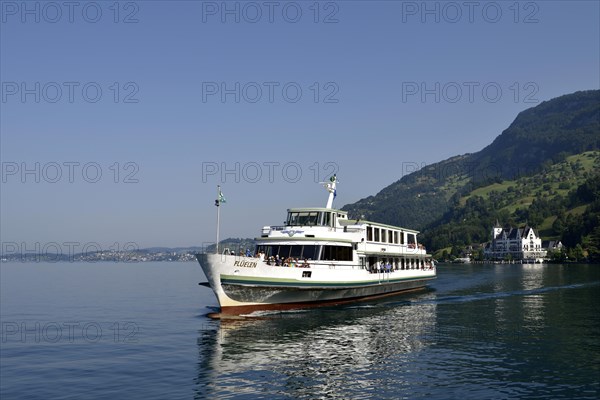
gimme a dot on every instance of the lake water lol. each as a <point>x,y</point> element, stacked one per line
<point>118,330</point>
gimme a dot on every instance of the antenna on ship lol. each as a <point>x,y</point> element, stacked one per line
<point>331,188</point>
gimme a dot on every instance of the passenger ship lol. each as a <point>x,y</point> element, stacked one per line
<point>318,257</point>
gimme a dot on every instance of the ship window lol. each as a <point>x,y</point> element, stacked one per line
<point>283,251</point>
<point>267,250</point>
<point>401,237</point>
<point>326,219</point>
<point>396,237</point>
<point>303,218</point>
<point>363,263</point>
<point>280,250</point>
<point>338,253</point>
<point>383,235</point>
<point>296,251</point>
<point>307,218</point>
<point>369,233</point>
<point>376,238</point>
<point>309,252</point>
<point>412,240</point>
<point>292,219</point>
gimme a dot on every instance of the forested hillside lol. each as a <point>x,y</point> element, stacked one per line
<point>562,202</point>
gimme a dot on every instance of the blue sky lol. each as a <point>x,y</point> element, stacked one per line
<point>127,114</point>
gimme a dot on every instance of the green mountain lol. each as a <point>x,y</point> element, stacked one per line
<point>509,179</point>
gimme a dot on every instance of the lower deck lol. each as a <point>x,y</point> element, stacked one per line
<point>239,281</point>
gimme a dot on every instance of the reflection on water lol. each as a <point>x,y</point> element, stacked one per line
<point>534,306</point>
<point>315,351</point>
<point>489,331</point>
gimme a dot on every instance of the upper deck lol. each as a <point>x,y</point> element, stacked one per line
<point>330,226</point>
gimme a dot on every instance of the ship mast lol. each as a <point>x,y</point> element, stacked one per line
<point>220,199</point>
<point>330,186</point>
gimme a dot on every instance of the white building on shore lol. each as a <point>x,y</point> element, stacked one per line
<point>515,244</point>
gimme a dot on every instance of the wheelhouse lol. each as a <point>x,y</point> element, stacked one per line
<point>314,217</point>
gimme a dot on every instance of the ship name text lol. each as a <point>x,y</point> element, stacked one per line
<point>247,264</point>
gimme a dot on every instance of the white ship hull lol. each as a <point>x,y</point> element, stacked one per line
<point>247,283</point>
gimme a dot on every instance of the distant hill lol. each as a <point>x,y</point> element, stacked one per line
<point>516,172</point>
<point>233,244</point>
<point>176,250</point>
<point>541,135</point>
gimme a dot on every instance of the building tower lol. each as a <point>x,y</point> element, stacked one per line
<point>496,231</point>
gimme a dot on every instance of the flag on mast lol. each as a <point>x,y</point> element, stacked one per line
<point>220,198</point>
<point>330,185</point>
